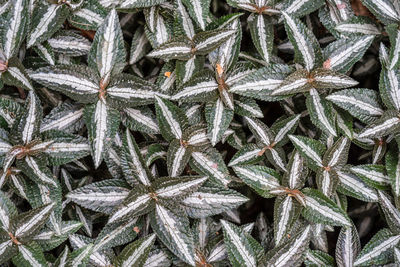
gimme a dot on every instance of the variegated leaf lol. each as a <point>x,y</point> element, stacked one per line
<point>310,149</point>
<point>136,253</point>
<point>172,121</point>
<point>218,118</point>
<point>172,228</point>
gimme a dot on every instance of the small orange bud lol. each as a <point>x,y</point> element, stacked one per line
<point>220,70</point>
<point>167,74</point>
<point>136,229</point>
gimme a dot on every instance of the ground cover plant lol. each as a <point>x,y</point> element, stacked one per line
<point>199,133</point>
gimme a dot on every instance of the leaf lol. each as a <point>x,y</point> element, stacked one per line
<point>172,121</point>
<point>15,27</point>
<point>47,19</point>
<point>392,214</point>
<point>69,43</point>
<point>310,149</point>
<point>16,75</point>
<point>324,78</point>
<point>102,122</point>
<point>141,119</point>
<point>260,178</point>
<point>389,88</point>
<point>361,103</point>
<point>177,188</point>
<point>89,16</point>
<point>140,46</point>
<point>116,234</point>
<point>261,31</point>
<point>137,203</point>
<point>64,147</point>
<point>299,8</point>
<point>342,54</point>
<point>76,81</point>
<point>218,118</point>
<point>320,209</point>
<point>80,256</point>
<point>321,113</point>
<point>347,246</point>
<point>286,212</point>
<point>384,10</point>
<point>100,196</point>
<point>129,4</point>
<point>200,87</point>
<point>136,253</point>
<point>181,50</point>
<point>242,249</point>
<point>392,168</point>
<point>36,169</point>
<point>292,252</point>
<point>30,255</point>
<point>307,50</point>
<point>212,200</point>
<point>358,26</point>
<point>211,164</point>
<point>107,53</point>
<point>372,174</point>
<point>379,249</point>
<point>337,154</point>
<point>173,230</point>
<point>248,154</point>
<point>133,166</point>
<point>207,41</point>
<point>66,117</point>
<point>7,210</point>
<point>317,257</point>
<point>27,224</point>
<point>199,10</point>
<point>353,186</point>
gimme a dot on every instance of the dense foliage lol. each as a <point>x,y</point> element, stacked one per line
<point>199,133</point>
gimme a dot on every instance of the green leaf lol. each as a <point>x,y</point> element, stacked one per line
<point>321,113</point>
<point>379,249</point>
<point>261,179</point>
<point>248,154</point>
<point>76,81</point>
<point>172,121</point>
<point>173,230</point>
<point>47,19</point>
<point>358,26</point>
<point>107,53</point>
<point>218,118</point>
<point>361,103</point>
<point>351,185</point>
<point>320,209</point>
<point>89,17</point>
<point>318,258</point>
<point>242,249</point>
<point>342,54</point>
<point>286,212</point>
<point>389,83</point>
<point>207,41</point>
<point>261,30</point>
<point>181,50</point>
<point>307,50</point>
<point>291,252</point>
<point>347,246</point>
<point>27,224</point>
<point>100,196</point>
<point>300,8</point>
<point>140,46</point>
<point>212,200</point>
<point>211,163</point>
<point>80,256</point>
<point>137,203</point>
<point>175,189</point>
<point>199,10</point>
<point>201,87</point>
<point>69,43</point>
<point>16,75</point>
<point>15,27</point>
<point>133,165</point>
<point>130,4</point>
<point>373,175</point>
<point>66,117</point>
<point>392,214</point>
<point>30,255</point>
<point>310,149</point>
<point>116,234</point>
<point>392,168</point>
<point>384,10</point>
<point>102,122</point>
<point>136,253</point>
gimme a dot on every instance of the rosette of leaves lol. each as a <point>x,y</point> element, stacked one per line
<point>100,86</point>
<point>18,233</point>
<point>32,150</point>
<point>269,142</point>
<point>316,75</point>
